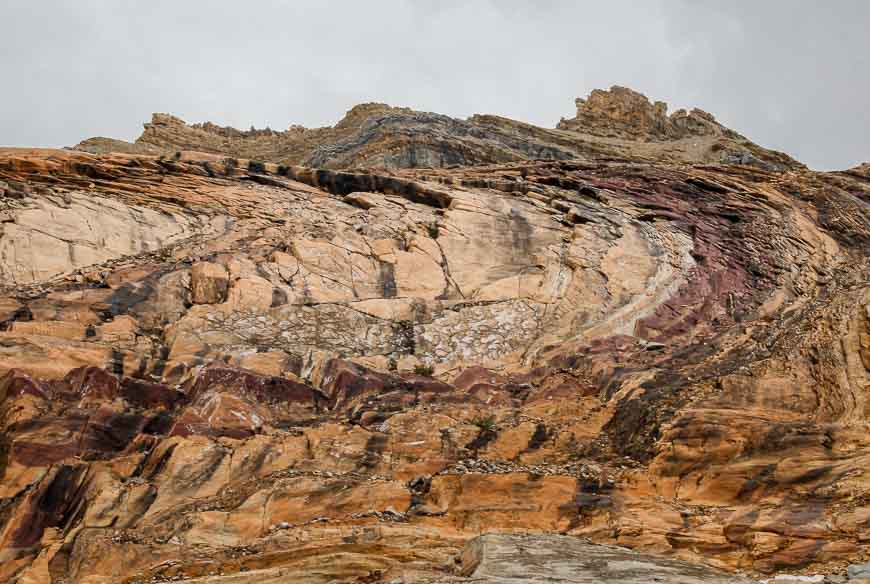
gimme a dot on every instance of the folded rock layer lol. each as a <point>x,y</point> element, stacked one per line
<point>340,354</point>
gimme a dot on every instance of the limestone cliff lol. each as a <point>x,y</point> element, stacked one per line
<point>220,365</point>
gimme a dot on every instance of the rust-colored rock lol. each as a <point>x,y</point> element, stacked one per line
<point>208,283</point>
<point>637,329</point>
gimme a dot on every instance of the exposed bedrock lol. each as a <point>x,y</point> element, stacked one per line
<point>217,366</point>
<point>610,124</point>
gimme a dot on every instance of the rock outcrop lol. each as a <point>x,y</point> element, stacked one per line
<point>615,124</point>
<point>623,113</point>
<point>501,559</point>
<point>218,369</point>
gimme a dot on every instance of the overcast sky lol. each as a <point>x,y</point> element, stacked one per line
<point>791,75</point>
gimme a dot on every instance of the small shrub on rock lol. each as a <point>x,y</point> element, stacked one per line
<point>424,370</point>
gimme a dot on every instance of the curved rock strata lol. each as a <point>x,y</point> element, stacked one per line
<point>223,370</point>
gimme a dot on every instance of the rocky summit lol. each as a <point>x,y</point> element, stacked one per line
<point>411,348</point>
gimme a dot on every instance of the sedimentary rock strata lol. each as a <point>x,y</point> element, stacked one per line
<point>517,559</point>
<point>218,369</point>
<point>619,123</point>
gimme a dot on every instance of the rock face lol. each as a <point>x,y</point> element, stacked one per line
<point>217,369</point>
<point>615,124</point>
<point>512,559</point>
<point>624,113</point>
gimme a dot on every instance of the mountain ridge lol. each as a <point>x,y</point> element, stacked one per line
<point>619,123</point>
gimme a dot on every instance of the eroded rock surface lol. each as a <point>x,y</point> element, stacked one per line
<point>506,559</point>
<point>230,370</point>
<point>619,123</point>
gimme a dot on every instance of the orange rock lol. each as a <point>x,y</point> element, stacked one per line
<point>214,360</point>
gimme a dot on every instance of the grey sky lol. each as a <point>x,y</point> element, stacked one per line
<point>792,75</point>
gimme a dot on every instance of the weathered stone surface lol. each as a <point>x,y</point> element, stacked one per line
<point>55,235</point>
<point>858,571</point>
<point>513,559</point>
<point>318,375</point>
<point>616,123</point>
<point>208,283</point>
